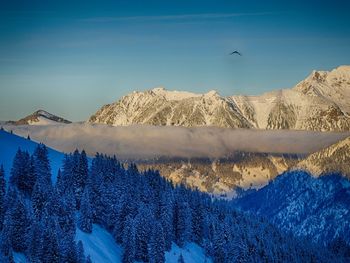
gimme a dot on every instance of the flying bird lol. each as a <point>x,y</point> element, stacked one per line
<point>236,52</point>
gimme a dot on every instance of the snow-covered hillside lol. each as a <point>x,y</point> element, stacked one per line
<point>10,143</point>
<point>319,103</point>
<point>335,158</point>
<point>315,208</point>
<point>41,117</point>
<point>102,248</point>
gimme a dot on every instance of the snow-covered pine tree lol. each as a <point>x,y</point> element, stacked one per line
<point>85,216</point>
<point>19,223</point>
<point>80,252</point>
<point>51,252</point>
<point>142,232</point>
<point>128,239</point>
<point>166,218</point>
<point>42,165</point>
<point>157,244</point>
<point>40,198</point>
<point>35,246</point>
<point>181,259</point>
<point>22,172</point>
<point>182,222</point>
<point>88,259</point>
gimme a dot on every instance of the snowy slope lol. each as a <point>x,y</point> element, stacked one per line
<point>100,245</point>
<point>321,102</point>
<point>191,253</point>
<point>102,248</point>
<point>315,208</point>
<point>9,144</point>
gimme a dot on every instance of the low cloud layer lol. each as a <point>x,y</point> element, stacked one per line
<point>139,141</point>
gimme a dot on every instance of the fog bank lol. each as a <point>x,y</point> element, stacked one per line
<point>142,141</point>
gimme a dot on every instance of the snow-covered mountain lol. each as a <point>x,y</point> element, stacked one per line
<point>320,102</point>
<point>335,158</point>
<point>161,107</point>
<point>40,117</point>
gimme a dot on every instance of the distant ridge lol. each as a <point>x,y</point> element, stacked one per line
<point>40,117</point>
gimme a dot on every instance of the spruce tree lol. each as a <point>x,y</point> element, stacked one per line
<point>51,252</point>
<point>85,216</point>
<point>181,259</point>
<point>128,238</point>
<point>80,252</point>
<point>42,165</point>
<point>182,222</point>
<point>40,198</point>
<point>6,236</point>
<point>142,232</point>
<point>19,225</point>
<point>35,245</point>
<point>157,244</point>
<point>88,259</point>
<point>166,218</point>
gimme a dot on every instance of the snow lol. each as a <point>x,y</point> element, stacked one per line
<point>191,252</point>
<point>102,248</point>
<point>19,257</point>
<point>100,245</point>
<point>9,144</point>
<point>174,94</point>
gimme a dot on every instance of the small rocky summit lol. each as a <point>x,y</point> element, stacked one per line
<point>321,102</point>
<point>40,117</point>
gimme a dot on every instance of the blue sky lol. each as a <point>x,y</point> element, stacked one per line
<point>71,58</point>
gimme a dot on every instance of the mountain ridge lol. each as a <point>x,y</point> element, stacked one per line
<point>334,158</point>
<point>40,117</point>
<point>321,102</point>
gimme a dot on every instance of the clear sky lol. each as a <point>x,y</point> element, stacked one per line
<point>71,57</point>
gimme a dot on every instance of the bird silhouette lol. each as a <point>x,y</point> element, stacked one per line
<point>235,52</point>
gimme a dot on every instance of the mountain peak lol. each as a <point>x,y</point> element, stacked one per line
<point>343,68</point>
<point>40,117</point>
<point>173,95</point>
<point>158,89</point>
<point>211,93</point>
